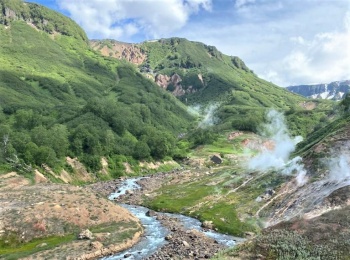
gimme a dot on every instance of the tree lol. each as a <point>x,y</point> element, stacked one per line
<point>141,151</point>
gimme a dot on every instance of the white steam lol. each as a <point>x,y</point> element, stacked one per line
<point>339,168</point>
<point>207,114</point>
<point>277,157</point>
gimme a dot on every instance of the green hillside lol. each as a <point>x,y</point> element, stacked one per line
<point>58,97</point>
<point>210,77</point>
<point>61,98</point>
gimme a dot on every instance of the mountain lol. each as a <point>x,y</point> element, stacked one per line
<point>201,76</point>
<point>335,90</point>
<point>197,73</point>
<point>118,106</point>
<point>60,98</point>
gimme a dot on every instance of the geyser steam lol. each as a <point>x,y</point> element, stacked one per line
<point>207,114</point>
<point>277,158</point>
<point>339,168</point>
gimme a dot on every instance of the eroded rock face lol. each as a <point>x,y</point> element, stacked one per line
<point>119,50</point>
<point>162,80</point>
<point>173,84</point>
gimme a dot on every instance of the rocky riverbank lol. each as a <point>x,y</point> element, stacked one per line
<point>182,242</point>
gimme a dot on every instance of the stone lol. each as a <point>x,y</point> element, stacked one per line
<point>216,159</point>
<point>151,213</point>
<point>168,237</point>
<point>85,234</point>
<point>130,192</point>
<point>208,224</point>
<point>185,243</point>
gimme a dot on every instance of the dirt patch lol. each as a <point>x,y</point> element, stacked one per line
<point>45,210</point>
<point>308,105</point>
<point>79,168</point>
<point>127,168</point>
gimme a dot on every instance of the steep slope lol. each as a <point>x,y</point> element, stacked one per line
<point>201,75</point>
<point>335,90</point>
<point>195,71</point>
<point>59,98</point>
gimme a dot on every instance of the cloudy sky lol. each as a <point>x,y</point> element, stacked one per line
<point>287,42</point>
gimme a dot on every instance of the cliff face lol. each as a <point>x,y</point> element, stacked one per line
<point>174,84</point>
<point>120,50</point>
<point>135,54</point>
<point>334,91</point>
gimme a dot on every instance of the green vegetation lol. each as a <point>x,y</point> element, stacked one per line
<point>242,98</point>
<point>10,248</point>
<point>59,98</point>
<point>207,198</point>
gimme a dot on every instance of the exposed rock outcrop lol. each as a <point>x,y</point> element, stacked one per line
<point>174,84</point>
<point>120,50</point>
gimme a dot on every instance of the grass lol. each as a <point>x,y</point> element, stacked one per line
<point>11,248</point>
<point>119,231</point>
<point>58,82</point>
<point>204,198</point>
<point>16,250</point>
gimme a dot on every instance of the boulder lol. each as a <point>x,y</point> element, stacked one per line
<point>208,224</point>
<point>216,159</point>
<point>151,213</point>
<point>85,234</point>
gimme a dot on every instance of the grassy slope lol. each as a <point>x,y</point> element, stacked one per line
<point>243,98</point>
<point>55,76</point>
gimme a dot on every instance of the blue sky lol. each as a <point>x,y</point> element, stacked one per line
<point>287,42</point>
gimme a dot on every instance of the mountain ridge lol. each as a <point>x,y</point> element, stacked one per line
<point>335,90</point>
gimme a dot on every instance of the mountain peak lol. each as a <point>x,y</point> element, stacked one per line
<point>335,90</point>
<point>39,17</point>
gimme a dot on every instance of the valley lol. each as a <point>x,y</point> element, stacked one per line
<point>214,149</point>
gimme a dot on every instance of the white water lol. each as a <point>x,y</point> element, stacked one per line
<point>154,235</point>
<point>152,239</point>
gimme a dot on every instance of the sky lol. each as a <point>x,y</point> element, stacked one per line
<point>287,42</point>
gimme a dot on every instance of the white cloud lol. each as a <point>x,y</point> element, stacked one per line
<point>123,19</point>
<point>241,3</point>
<point>324,58</point>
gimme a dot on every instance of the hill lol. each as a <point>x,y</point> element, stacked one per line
<point>335,90</point>
<point>201,76</point>
<point>60,98</point>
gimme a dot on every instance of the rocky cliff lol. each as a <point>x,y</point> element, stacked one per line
<point>174,84</point>
<point>334,91</point>
<point>120,50</point>
<point>135,54</point>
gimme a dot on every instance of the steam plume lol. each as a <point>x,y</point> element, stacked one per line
<point>339,168</point>
<point>207,114</point>
<point>277,158</point>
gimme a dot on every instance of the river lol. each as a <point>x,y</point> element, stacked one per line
<point>155,233</point>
